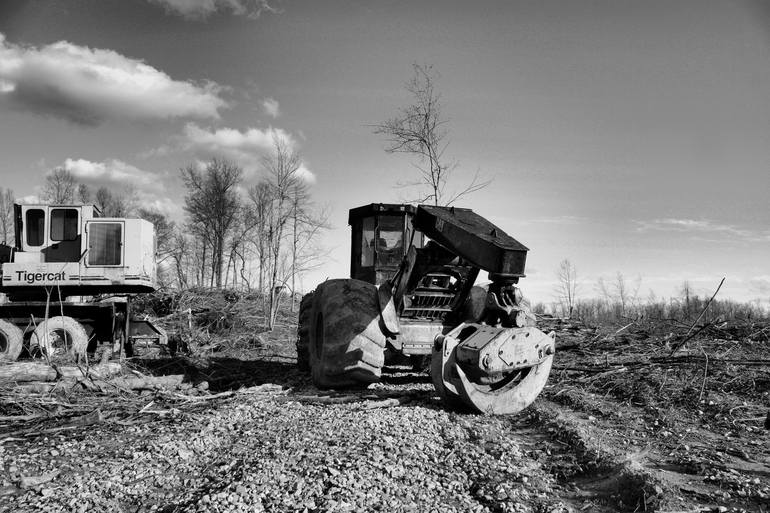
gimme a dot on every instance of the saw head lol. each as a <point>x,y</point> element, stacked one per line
<point>492,369</point>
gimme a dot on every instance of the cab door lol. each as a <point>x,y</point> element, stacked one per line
<point>64,235</point>
<point>33,236</point>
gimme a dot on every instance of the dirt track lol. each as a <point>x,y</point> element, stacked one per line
<point>614,434</point>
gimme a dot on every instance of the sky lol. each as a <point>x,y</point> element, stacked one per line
<point>625,136</point>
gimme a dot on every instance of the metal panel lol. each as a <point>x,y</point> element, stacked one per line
<point>466,233</point>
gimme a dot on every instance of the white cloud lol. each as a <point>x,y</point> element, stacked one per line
<point>244,148</point>
<point>704,227</point>
<point>30,199</point>
<point>111,173</point>
<point>231,140</point>
<point>87,86</point>
<point>122,178</point>
<point>202,9</point>
<point>305,174</point>
<point>271,107</point>
<point>164,205</point>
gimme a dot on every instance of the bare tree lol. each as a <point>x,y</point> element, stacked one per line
<point>213,203</point>
<point>259,217</point>
<point>103,199</point>
<point>181,258</point>
<point>124,204</point>
<point>116,205</point>
<point>419,129</point>
<point>283,182</point>
<point>282,225</point>
<point>59,187</point>
<point>631,292</point>
<point>686,293</point>
<point>84,194</point>
<point>620,293</point>
<point>566,288</point>
<point>164,232</point>
<point>307,223</point>
<point>6,215</point>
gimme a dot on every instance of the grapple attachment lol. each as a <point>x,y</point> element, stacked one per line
<point>493,370</point>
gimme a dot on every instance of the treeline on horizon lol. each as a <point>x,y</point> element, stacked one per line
<point>619,300</point>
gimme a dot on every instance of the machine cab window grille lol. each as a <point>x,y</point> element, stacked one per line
<point>35,221</point>
<point>64,224</point>
<point>105,243</point>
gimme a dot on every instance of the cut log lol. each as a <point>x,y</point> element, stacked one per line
<point>26,371</point>
<point>33,371</point>
<point>172,381</point>
<point>35,388</point>
<point>102,370</point>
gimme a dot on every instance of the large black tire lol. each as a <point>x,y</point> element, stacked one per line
<point>347,345</point>
<point>303,332</point>
<point>11,341</point>
<point>60,337</point>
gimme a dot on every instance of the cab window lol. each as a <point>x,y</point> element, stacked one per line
<point>390,240</point>
<point>105,243</point>
<point>367,243</point>
<point>64,224</point>
<point>35,221</point>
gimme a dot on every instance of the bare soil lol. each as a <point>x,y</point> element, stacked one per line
<point>622,425</point>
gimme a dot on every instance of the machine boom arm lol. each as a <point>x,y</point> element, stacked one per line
<point>475,239</point>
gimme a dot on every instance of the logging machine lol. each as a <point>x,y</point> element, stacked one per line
<point>411,292</point>
<point>67,281</point>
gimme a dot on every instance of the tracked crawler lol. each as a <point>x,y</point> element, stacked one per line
<point>412,291</point>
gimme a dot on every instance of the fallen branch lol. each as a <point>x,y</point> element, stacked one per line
<point>604,374</point>
<point>88,419</point>
<point>571,368</point>
<point>707,305</point>
<point>692,326</point>
<point>623,328</point>
<point>681,344</point>
<point>705,375</point>
<point>21,418</point>
<point>614,367</point>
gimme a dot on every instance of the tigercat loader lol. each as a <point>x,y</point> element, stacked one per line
<point>412,292</point>
<point>64,258</point>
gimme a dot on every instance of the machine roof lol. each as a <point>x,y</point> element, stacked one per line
<point>379,208</point>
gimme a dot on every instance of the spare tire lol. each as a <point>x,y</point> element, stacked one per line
<point>60,337</point>
<point>303,331</point>
<point>347,344</point>
<point>11,341</point>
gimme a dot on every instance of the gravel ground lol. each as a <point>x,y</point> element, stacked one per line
<point>264,451</point>
<point>618,427</point>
